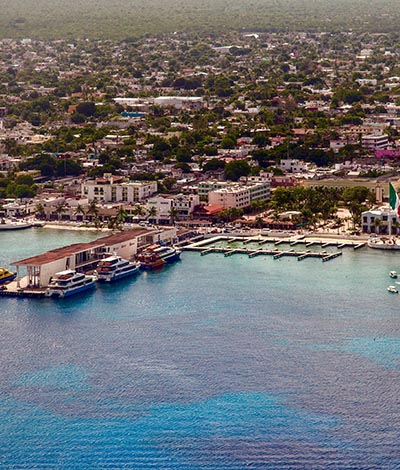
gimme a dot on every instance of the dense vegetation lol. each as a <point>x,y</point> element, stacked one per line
<point>122,19</point>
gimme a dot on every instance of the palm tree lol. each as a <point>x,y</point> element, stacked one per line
<point>121,217</point>
<point>173,213</point>
<point>259,222</point>
<point>93,209</point>
<point>79,211</point>
<point>396,225</point>
<point>377,224</point>
<point>39,211</point>
<point>152,213</point>
<point>139,211</point>
<point>60,208</point>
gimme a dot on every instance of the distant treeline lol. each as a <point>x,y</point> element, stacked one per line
<point>123,19</point>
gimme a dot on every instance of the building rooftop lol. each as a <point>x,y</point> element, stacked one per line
<point>59,253</point>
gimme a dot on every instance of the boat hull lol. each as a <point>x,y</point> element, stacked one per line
<point>152,264</point>
<point>117,277</point>
<point>14,226</point>
<point>72,291</point>
<point>8,279</point>
<point>153,259</point>
<point>172,258</point>
<point>383,246</point>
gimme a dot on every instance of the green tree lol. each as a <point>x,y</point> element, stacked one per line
<point>87,108</point>
<point>236,168</point>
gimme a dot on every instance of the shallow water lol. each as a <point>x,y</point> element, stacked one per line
<point>212,363</point>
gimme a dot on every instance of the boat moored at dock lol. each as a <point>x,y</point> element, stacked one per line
<point>113,268</point>
<point>156,256</point>
<point>69,282</point>
<point>6,275</point>
<point>384,243</point>
<point>6,224</point>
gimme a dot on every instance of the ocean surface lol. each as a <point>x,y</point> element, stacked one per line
<point>212,363</point>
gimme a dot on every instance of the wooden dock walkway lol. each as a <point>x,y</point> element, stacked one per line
<point>275,253</point>
<point>19,288</point>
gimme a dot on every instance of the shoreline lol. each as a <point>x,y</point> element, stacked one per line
<point>74,228</point>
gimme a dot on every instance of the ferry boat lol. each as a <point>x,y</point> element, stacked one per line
<point>69,282</point>
<point>155,256</point>
<point>114,268</point>
<point>6,275</point>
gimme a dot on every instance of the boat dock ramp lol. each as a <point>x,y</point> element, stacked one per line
<point>19,288</point>
<point>208,246</point>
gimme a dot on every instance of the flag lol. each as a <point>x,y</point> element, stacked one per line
<point>394,200</point>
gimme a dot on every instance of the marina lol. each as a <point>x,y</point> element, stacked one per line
<point>206,346</point>
<point>251,246</point>
<point>90,257</point>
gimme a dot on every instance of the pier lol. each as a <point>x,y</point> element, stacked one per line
<point>277,250</point>
<point>19,288</point>
<point>276,254</point>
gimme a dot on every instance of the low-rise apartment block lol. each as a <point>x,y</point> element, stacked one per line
<point>239,196</point>
<point>115,189</point>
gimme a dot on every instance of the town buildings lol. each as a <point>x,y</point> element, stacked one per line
<point>115,189</point>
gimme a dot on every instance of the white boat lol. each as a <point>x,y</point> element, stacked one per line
<point>393,274</point>
<point>7,224</point>
<point>392,289</point>
<point>382,243</point>
<point>69,282</point>
<point>114,268</point>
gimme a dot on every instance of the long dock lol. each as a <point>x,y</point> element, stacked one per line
<point>275,253</point>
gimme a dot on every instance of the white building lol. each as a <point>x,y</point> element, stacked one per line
<point>180,102</point>
<point>205,187</point>
<point>114,189</point>
<point>239,196</point>
<point>375,141</point>
<point>166,208</point>
<point>83,256</point>
<point>382,220</point>
<point>291,165</point>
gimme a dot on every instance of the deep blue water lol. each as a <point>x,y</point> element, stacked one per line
<point>212,363</point>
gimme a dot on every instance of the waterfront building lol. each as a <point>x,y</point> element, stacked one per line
<point>114,189</point>
<point>382,220</point>
<point>168,207</point>
<point>85,256</point>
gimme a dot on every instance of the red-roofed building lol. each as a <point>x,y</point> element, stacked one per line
<point>85,256</point>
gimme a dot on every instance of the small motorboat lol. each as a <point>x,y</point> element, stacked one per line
<point>393,274</point>
<point>6,275</point>
<point>392,290</point>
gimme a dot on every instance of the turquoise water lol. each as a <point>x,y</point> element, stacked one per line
<point>212,363</point>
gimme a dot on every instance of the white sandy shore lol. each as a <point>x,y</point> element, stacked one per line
<point>58,226</point>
